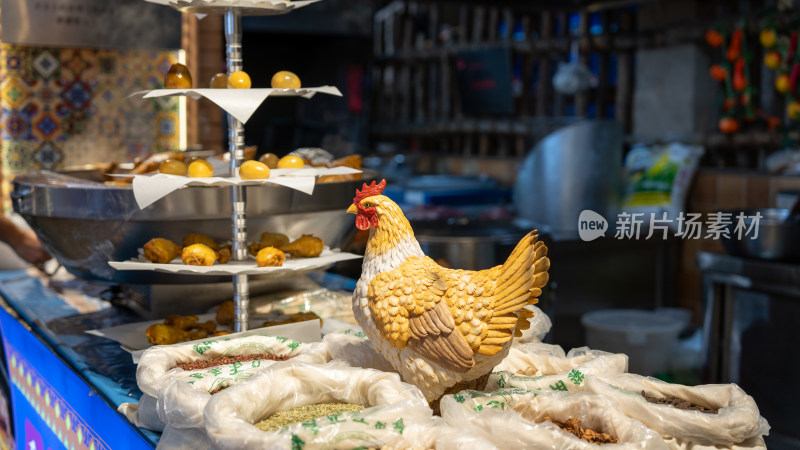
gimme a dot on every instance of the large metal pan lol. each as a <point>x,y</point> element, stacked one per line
<point>84,224</point>
<point>777,239</point>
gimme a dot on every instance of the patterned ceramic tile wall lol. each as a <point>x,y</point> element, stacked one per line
<point>66,107</point>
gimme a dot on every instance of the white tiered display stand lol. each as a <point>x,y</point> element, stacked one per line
<point>239,104</point>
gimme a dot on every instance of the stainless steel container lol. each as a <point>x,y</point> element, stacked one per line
<point>575,168</point>
<point>777,239</point>
<point>468,245</point>
<point>84,224</point>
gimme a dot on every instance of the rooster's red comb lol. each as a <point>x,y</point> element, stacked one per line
<point>369,191</point>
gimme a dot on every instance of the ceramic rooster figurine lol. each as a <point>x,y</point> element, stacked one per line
<point>442,329</point>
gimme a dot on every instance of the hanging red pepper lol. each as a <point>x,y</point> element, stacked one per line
<point>792,46</point>
<point>735,47</point>
<point>718,72</point>
<point>793,77</point>
<point>714,38</point>
<point>739,80</point>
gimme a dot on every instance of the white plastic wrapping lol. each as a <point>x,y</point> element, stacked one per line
<point>393,406</point>
<point>513,419</point>
<point>356,350</point>
<point>182,399</point>
<point>157,364</point>
<point>552,368</point>
<point>182,406</point>
<point>183,439</point>
<point>540,326</point>
<point>143,414</point>
<point>736,421</point>
<point>756,443</point>
<point>438,435</point>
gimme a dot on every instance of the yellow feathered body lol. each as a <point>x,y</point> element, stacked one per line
<point>439,326</point>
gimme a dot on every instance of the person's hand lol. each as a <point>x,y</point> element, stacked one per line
<point>27,246</point>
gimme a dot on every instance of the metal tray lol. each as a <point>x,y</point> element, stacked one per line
<point>84,223</point>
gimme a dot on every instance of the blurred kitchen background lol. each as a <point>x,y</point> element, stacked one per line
<point>489,119</point>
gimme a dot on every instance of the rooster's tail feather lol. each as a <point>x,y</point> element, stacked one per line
<point>522,278</point>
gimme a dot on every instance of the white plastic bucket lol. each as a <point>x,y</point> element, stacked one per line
<point>647,337</point>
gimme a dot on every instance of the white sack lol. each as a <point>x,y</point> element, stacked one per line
<point>182,394</point>
<point>157,365</point>
<point>394,405</point>
<point>736,421</point>
<point>552,369</point>
<point>540,326</point>
<point>438,435</point>
<point>183,439</point>
<point>356,351</point>
<point>510,419</point>
<point>756,443</point>
<point>143,414</point>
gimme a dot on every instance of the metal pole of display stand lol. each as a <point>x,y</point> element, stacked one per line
<point>233,53</point>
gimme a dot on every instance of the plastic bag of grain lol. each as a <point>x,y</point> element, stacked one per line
<point>516,418</point>
<point>714,414</point>
<point>158,366</point>
<point>438,435</point>
<point>544,366</point>
<point>353,348</point>
<point>390,406</point>
<point>540,326</point>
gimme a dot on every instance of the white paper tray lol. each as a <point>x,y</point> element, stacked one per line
<point>132,336</point>
<point>240,103</point>
<point>249,267</point>
<point>246,7</point>
<point>148,188</point>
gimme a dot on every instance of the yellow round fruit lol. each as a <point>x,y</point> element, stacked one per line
<point>772,60</point>
<point>783,83</point>
<point>178,77</point>
<point>239,80</point>
<point>219,81</point>
<point>793,109</point>
<point>200,168</point>
<point>768,37</point>
<point>173,167</point>
<point>291,162</point>
<point>253,170</point>
<point>285,80</point>
<point>270,159</point>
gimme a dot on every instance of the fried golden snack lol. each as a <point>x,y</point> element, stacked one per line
<point>301,316</point>
<point>221,333</point>
<point>307,246</point>
<point>197,334</point>
<point>353,161</point>
<point>182,322</point>
<point>161,334</point>
<point>198,255</point>
<point>225,313</point>
<point>153,162</point>
<point>270,257</point>
<point>276,240</point>
<point>161,251</point>
<point>209,326</point>
<point>224,254</point>
<point>197,238</point>
<point>254,247</point>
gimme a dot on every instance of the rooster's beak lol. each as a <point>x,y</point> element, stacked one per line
<point>352,209</point>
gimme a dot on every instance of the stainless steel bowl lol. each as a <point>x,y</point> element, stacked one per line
<point>84,224</point>
<point>469,245</point>
<point>777,239</point>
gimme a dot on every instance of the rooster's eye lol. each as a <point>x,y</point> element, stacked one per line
<point>367,205</point>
